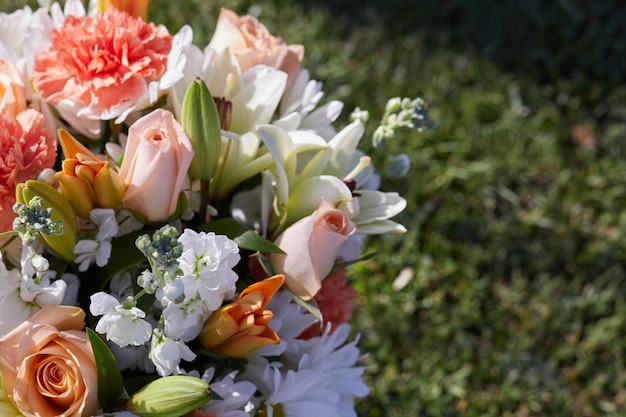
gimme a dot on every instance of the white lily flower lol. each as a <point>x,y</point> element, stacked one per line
<point>254,94</point>
<point>297,108</point>
<point>375,208</point>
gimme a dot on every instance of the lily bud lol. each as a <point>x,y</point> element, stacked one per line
<point>201,121</point>
<point>240,328</point>
<point>169,396</point>
<point>62,245</point>
<point>135,8</point>
<point>86,180</point>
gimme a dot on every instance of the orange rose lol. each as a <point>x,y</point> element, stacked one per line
<point>311,245</point>
<point>157,157</point>
<point>47,365</point>
<point>12,89</point>
<point>252,44</point>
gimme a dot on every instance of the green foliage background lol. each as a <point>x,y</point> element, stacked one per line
<point>515,242</point>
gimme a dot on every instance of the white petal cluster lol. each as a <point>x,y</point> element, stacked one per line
<point>167,353</point>
<point>98,250</point>
<point>207,266</point>
<point>234,398</point>
<point>24,291</point>
<point>321,372</point>
<point>123,325</point>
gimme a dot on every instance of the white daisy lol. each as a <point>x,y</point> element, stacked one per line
<point>235,396</point>
<point>301,393</point>
<point>333,355</point>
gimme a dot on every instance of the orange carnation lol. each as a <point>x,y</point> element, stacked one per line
<point>26,148</point>
<point>104,62</point>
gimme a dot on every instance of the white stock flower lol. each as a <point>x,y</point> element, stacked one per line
<point>184,320</point>
<point>97,251</point>
<point>167,353</point>
<point>21,295</point>
<point>206,264</point>
<point>122,325</point>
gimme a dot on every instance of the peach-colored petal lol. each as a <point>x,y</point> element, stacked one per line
<point>154,170</point>
<point>104,62</point>
<point>27,148</point>
<point>311,245</point>
<point>252,44</point>
<point>12,89</point>
<point>48,368</point>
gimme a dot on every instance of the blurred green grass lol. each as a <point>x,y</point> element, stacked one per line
<point>515,203</point>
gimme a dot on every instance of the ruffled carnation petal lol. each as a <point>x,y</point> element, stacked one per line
<point>104,62</point>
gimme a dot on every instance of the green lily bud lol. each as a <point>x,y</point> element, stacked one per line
<point>200,118</point>
<point>170,396</point>
<point>62,245</point>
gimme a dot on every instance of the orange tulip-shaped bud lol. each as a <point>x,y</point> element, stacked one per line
<point>240,328</point>
<point>86,180</point>
<point>108,187</point>
<point>136,8</point>
<point>76,192</point>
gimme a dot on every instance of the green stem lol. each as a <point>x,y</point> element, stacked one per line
<point>10,233</point>
<point>204,199</point>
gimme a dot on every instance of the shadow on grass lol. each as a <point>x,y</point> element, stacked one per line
<point>574,39</point>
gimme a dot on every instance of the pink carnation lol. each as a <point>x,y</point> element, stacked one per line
<point>336,300</point>
<point>104,62</point>
<point>25,149</point>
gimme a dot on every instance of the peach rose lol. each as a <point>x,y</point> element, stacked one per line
<point>12,89</point>
<point>311,245</point>
<point>26,149</point>
<point>252,44</point>
<point>47,365</point>
<point>104,62</point>
<point>157,157</point>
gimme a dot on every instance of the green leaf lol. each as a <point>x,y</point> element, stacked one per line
<point>244,237</point>
<point>110,382</point>
<point>340,265</point>
<point>310,306</point>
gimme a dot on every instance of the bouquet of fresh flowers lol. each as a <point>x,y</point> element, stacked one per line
<point>176,222</point>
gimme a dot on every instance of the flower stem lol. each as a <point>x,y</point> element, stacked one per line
<point>204,199</point>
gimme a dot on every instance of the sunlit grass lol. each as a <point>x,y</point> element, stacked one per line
<point>516,233</point>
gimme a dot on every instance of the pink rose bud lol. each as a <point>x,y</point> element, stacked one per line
<point>311,246</point>
<point>157,157</point>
